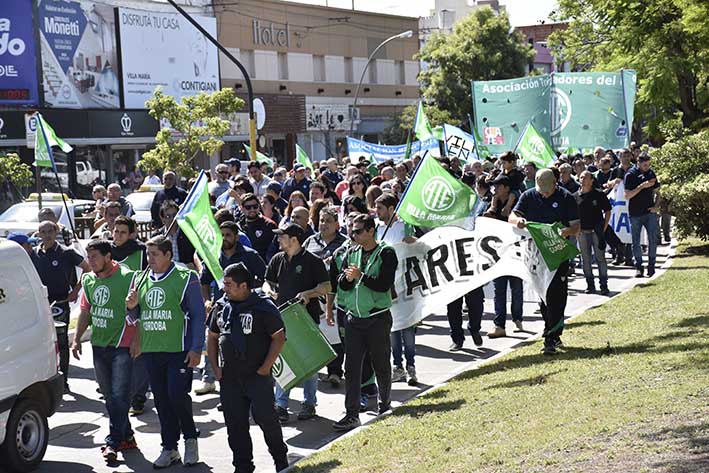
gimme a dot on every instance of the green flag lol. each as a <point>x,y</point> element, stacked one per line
<point>197,222</point>
<point>554,248</point>
<point>407,153</point>
<point>422,128</point>
<point>260,157</point>
<point>435,198</point>
<point>303,158</point>
<point>438,133</point>
<point>533,148</point>
<point>44,139</point>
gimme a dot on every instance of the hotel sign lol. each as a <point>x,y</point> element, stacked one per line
<point>267,34</point>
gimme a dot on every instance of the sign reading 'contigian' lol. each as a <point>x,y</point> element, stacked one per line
<point>163,49</point>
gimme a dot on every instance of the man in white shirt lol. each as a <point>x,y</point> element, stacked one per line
<point>258,179</point>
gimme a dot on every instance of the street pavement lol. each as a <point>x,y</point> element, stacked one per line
<point>79,427</point>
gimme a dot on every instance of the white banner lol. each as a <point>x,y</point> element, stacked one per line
<point>620,219</point>
<point>164,49</point>
<point>448,262</point>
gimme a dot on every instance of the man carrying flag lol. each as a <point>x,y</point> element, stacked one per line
<point>548,203</point>
<point>533,148</point>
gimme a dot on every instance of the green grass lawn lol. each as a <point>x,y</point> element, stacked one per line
<point>630,392</point>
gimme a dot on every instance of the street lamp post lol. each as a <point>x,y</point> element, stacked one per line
<point>405,34</point>
<point>249,87</point>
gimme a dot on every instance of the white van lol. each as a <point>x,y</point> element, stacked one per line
<point>31,385</point>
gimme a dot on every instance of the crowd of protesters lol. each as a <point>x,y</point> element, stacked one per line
<point>321,235</point>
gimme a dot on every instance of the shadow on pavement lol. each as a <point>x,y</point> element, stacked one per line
<point>65,467</point>
<point>73,436</point>
<point>75,402</point>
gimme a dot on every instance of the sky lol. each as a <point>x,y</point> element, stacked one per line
<point>522,12</point>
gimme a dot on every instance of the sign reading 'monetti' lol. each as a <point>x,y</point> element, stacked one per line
<point>268,35</point>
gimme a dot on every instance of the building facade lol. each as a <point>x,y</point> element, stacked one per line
<point>536,36</point>
<point>318,54</point>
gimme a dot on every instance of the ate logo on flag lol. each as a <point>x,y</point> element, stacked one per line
<point>438,195</point>
<point>536,145</point>
<point>206,232</point>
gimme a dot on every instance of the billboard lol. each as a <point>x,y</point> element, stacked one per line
<point>79,59</point>
<point>18,66</point>
<point>570,110</point>
<point>164,49</point>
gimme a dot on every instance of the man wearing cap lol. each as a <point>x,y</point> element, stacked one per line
<point>504,199</point>
<point>246,335</point>
<point>299,182</point>
<point>640,181</point>
<point>274,190</point>
<point>25,242</point>
<point>547,203</point>
<point>169,192</point>
<point>258,179</point>
<point>221,184</point>
<point>295,273</point>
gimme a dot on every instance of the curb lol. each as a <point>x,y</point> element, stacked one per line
<point>468,367</point>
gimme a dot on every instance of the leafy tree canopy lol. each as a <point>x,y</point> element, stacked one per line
<point>482,46</point>
<point>195,125</point>
<point>665,41</point>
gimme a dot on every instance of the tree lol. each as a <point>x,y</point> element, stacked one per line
<point>15,171</point>
<point>665,41</point>
<point>482,46</point>
<point>682,169</point>
<point>397,132</point>
<point>195,126</point>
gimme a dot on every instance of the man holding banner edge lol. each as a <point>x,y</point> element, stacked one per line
<point>547,203</point>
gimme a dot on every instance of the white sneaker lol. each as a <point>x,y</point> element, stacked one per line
<point>167,458</point>
<point>518,324</point>
<point>191,452</point>
<point>398,374</point>
<point>206,388</point>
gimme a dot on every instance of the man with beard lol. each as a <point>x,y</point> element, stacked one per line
<point>258,228</point>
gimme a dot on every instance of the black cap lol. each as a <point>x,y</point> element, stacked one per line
<point>292,230</point>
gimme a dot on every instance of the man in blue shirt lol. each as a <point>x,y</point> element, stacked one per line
<point>299,182</point>
<point>548,203</point>
<point>640,181</point>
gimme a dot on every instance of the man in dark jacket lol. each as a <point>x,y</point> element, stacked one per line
<point>246,335</point>
<point>258,228</point>
<point>297,183</point>
<point>170,192</point>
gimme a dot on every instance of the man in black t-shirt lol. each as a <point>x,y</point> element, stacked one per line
<point>246,335</point>
<point>594,213</point>
<point>258,228</point>
<point>640,181</point>
<point>295,273</point>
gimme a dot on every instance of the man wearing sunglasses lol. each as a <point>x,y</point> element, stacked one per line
<point>258,228</point>
<point>364,292</point>
<point>221,184</point>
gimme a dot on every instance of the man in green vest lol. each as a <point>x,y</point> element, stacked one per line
<point>364,292</point>
<point>169,308</point>
<point>130,253</point>
<point>103,307</point>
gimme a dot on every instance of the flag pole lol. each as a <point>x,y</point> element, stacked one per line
<point>56,174</point>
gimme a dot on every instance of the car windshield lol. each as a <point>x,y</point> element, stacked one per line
<point>27,212</point>
<point>141,200</point>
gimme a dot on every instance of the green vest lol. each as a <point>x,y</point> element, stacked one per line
<point>162,321</point>
<point>361,300</point>
<point>107,297</point>
<point>133,261</point>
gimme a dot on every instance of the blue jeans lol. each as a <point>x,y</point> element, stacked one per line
<point>649,221</point>
<point>310,389</point>
<point>171,382</point>
<point>500,284</point>
<point>404,340</point>
<point>589,248</point>
<point>113,369</point>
